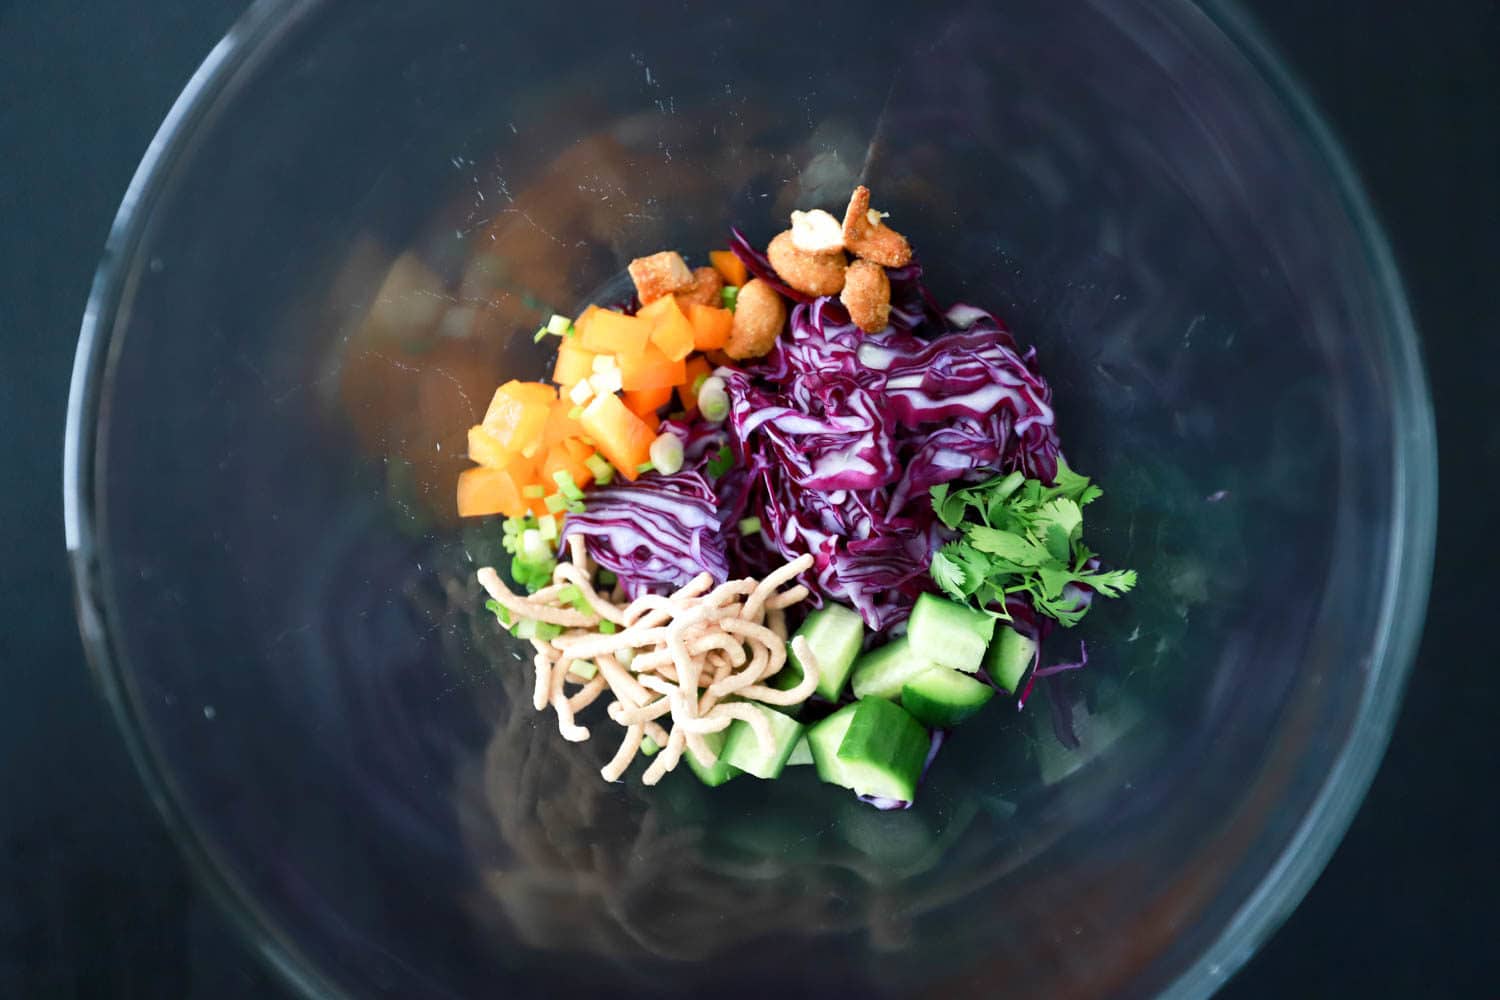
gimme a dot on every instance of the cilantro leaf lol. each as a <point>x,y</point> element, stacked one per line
<point>1007,545</point>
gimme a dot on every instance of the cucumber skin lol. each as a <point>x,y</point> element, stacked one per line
<point>942,698</point>
<point>1009,657</point>
<point>831,679</point>
<point>949,633</point>
<point>873,664</point>
<point>739,734</point>
<point>883,751</point>
<point>721,771</point>
<point>823,739</point>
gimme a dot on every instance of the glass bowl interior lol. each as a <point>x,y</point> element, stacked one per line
<point>341,242</point>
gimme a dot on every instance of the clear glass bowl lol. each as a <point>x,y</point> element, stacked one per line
<point>340,241</point>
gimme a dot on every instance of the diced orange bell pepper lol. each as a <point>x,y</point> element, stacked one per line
<point>489,491</point>
<point>650,369</point>
<point>717,358</point>
<point>574,363</point>
<point>673,335</point>
<point>653,421</point>
<point>615,333</point>
<point>655,312</point>
<point>730,267</point>
<point>518,413</point>
<point>560,425</point>
<point>711,326</point>
<point>560,459</point>
<point>578,449</point>
<point>584,318</point>
<point>621,437</point>
<point>644,401</point>
<point>485,449</point>
<point>687,392</point>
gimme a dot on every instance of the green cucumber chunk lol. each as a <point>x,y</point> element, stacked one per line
<point>1010,656</point>
<point>742,748</point>
<point>721,770</point>
<point>823,739</point>
<point>834,633</point>
<point>880,673</point>
<point>883,751</point>
<point>944,697</point>
<point>948,633</point>
<point>801,753</point>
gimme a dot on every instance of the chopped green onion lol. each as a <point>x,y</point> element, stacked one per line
<point>534,548</point>
<point>729,295</point>
<point>698,383</point>
<point>558,325</point>
<point>575,413</point>
<point>567,485</point>
<point>713,400</point>
<point>555,503</point>
<point>546,631</point>
<point>666,454</point>
<point>750,526</point>
<point>649,747</point>
<point>584,668</point>
<point>603,472</point>
<point>607,628</point>
<point>569,594</point>
<point>722,462</point>
<point>575,507</point>
<point>625,657</point>
<point>607,579</point>
<point>540,333</point>
<point>533,492</point>
<point>499,611</point>
<point>525,629</point>
<point>644,468</point>
<point>548,527</point>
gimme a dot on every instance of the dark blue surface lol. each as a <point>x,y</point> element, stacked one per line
<point>93,900</point>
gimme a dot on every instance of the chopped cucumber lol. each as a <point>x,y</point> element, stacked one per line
<point>883,751</point>
<point>721,771</point>
<point>801,753</point>
<point>880,673</point>
<point>1010,655</point>
<point>834,633</point>
<point>950,633</point>
<point>944,697</point>
<point>823,739</point>
<point>742,748</point>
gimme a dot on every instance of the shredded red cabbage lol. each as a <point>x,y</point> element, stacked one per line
<point>835,437</point>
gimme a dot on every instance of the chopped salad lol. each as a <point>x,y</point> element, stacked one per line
<point>784,509</point>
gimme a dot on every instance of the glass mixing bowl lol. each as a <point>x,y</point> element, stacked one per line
<point>340,242</point>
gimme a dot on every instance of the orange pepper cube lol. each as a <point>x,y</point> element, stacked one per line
<point>687,392</point>
<point>711,326</point>
<point>621,437</point>
<point>651,369</point>
<point>615,333</point>
<point>489,491</point>
<point>644,401</point>
<point>730,267</point>
<point>673,335</point>
<point>518,413</point>
<point>574,363</point>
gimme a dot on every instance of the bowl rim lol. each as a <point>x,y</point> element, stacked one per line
<point>1307,850</point>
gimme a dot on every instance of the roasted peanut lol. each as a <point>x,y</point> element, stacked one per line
<point>759,315</point>
<point>867,296</point>
<point>705,288</point>
<point>813,273</point>
<point>866,234</point>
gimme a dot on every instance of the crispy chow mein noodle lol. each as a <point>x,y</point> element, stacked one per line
<point>696,658</point>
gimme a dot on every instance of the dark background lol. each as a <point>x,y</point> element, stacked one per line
<point>93,898</point>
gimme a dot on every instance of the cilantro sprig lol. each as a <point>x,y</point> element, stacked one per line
<point>1019,536</point>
